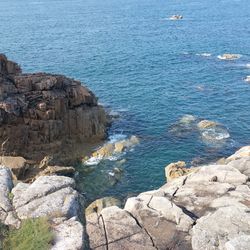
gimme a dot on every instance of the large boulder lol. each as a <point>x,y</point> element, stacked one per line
<point>43,113</point>
<point>52,196</point>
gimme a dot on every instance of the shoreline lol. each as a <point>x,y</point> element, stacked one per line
<point>207,203</point>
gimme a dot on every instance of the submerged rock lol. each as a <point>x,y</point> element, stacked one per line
<point>43,113</point>
<point>184,125</point>
<point>110,149</point>
<point>212,132</point>
<point>177,169</point>
<point>206,124</point>
<point>187,119</point>
<point>229,56</point>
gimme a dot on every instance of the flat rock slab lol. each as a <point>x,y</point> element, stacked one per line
<point>47,196</point>
<point>116,229</point>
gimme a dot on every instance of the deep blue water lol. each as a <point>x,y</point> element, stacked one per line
<point>145,67</point>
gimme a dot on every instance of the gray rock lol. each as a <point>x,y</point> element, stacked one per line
<point>242,164</point>
<point>206,209</point>
<point>68,234</point>
<point>44,185</point>
<point>12,220</point>
<point>117,229</point>
<point>5,189</point>
<point>216,229</point>
<point>238,243</point>
<point>166,223</point>
<point>47,196</point>
<point>222,173</point>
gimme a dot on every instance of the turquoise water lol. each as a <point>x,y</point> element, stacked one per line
<point>145,67</point>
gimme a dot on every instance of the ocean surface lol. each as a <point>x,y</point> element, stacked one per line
<point>148,69</point>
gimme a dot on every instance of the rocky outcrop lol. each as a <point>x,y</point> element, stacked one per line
<point>205,209</point>
<point>176,170</point>
<point>210,132</point>
<point>228,56</point>
<point>42,113</point>
<point>53,197</point>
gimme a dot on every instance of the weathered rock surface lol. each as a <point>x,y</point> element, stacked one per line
<point>69,234</point>
<point>43,113</point>
<point>205,209</point>
<point>98,205</point>
<point>18,165</point>
<point>47,196</point>
<point>5,189</point>
<point>177,169</point>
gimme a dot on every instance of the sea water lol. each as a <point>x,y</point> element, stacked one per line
<point>148,69</point>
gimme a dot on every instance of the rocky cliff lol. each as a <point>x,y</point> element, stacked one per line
<point>43,113</point>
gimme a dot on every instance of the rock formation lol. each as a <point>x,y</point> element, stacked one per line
<point>228,56</point>
<point>50,196</point>
<point>43,113</point>
<point>110,149</point>
<point>205,209</point>
<point>176,170</point>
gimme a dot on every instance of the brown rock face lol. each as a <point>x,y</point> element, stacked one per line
<point>42,113</point>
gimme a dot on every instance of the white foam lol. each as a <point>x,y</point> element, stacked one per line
<point>116,137</point>
<point>204,54</point>
<point>247,79</point>
<point>93,161</point>
<point>213,134</point>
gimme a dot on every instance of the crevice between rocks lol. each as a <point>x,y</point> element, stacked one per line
<point>105,232</point>
<point>143,228</point>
